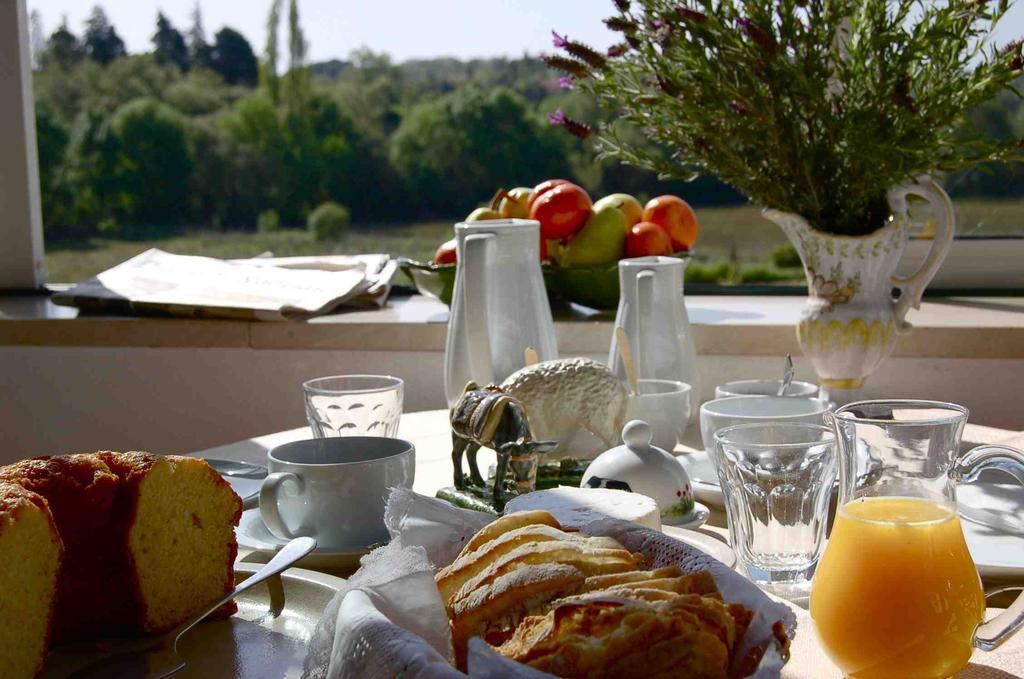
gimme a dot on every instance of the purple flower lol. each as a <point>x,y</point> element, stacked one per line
<point>573,127</point>
<point>657,23</point>
<point>567,82</point>
<point>737,108</point>
<point>757,35</point>
<point>559,41</point>
<point>557,118</point>
<point>692,14</point>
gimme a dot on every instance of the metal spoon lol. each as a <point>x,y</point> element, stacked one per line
<point>787,376</point>
<point>162,659</point>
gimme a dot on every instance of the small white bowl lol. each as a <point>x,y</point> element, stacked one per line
<point>796,389</point>
<point>725,412</point>
<point>665,406</point>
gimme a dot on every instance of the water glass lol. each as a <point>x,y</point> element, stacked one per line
<point>354,405</point>
<point>777,479</point>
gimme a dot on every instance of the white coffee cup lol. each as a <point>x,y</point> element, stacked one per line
<point>725,412</point>
<point>334,489</point>
<point>665,406</point>
<point>796,388</point>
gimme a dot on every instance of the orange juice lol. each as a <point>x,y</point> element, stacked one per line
<point>896,593</point>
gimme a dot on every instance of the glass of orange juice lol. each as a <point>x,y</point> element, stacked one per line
<point>896,593</point>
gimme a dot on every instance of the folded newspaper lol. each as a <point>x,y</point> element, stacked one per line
<point>262,288</point>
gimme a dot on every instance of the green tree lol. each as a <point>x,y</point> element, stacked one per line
<point>154,163</point>
<point>169,44</point>
<point>456,149</point>
<point>297,80</point>
<point>62,48</point>
<point>52,141</point>
<point>198,48</point>
<point>91,165</point>
<point>232,57</point>
<point>36,38</point>
<point>268,69</point>
<point>102,43</point>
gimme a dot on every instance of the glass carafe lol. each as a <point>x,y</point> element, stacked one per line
<point>653,312</point>
<point>896,593</point>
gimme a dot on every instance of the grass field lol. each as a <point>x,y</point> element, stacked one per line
<point>737,234</point>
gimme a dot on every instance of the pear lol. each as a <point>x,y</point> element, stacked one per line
<point>482,214</point>
<point>600,241</point>
<point>514,203</point>
<point>629,205</point>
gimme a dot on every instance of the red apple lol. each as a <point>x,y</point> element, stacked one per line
<point>561,211</point>
<point>542,188</point>
<point>675,215</point>
<point>445,253</point>
<point>645,239</point>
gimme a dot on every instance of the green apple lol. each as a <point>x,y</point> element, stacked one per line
<point>629,205</point>
<point>600,241</point>
<point>482,214</point>
<point>514,204</point>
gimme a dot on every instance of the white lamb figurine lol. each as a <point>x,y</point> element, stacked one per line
<point>565,395</point>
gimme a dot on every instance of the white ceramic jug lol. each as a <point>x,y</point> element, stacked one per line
<point>652,310</point>
<point>499,307</point>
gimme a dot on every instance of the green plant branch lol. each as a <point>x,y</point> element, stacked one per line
<point>764,94</point>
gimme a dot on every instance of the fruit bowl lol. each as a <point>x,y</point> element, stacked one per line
<point>596,287</point>
<point>432,280</point>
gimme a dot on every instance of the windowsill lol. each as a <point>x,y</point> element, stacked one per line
<point>953,327</point>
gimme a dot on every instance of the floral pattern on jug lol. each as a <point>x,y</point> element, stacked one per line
<point>856,307</point>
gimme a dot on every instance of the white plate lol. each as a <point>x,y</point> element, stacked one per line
<point>252,643</point>
<point>252,534</point>
<point>997,552</point>
<point>692,521</point>
<point>708,544</point>
<point>703,477</point>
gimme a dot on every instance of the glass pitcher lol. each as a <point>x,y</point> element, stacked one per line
<point>653,312</point>
<point>896,593</point>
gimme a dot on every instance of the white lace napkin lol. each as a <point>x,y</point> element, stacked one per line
<point>389,620</point>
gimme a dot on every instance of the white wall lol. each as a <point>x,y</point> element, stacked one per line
<point>73,399</point>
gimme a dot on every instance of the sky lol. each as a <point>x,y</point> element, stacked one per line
<point>405,29</point>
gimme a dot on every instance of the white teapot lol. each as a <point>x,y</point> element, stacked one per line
<point>640,467</point>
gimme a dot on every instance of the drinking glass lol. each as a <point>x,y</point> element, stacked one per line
<point>354,405</point>
<point>777,479</point>
<point>897,593</point>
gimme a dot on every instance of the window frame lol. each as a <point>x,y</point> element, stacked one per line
<point>21,221</point>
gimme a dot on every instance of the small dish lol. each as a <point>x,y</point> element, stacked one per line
<point>692,521</point>
<point>253,535</point>
<point>703,477</point>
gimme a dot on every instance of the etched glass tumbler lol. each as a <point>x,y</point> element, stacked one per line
<point>777,479</point>
<point>354,405</point>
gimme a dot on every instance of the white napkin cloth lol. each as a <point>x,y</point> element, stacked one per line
<point>389,620</point>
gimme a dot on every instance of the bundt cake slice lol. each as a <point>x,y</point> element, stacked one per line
<point>180,517</point>
<point>30,557</point>
<point>94,597</point>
